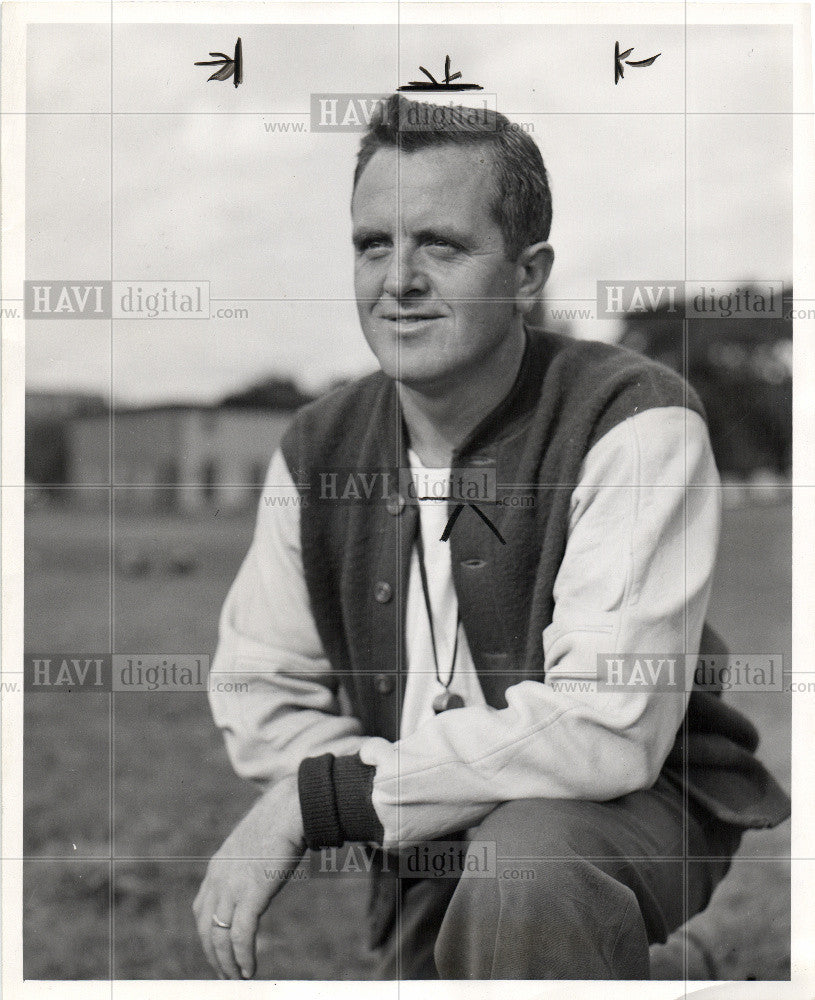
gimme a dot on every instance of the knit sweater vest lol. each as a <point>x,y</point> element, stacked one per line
<point>348,456</point>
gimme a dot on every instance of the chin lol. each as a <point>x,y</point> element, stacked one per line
<point>413,374</point>
<point>419,380</point>
<point>405,362</point>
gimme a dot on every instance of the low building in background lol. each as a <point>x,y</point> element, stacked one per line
<point>47,416</point>
<point>174,457</point>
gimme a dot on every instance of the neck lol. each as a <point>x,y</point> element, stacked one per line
<point>440,418</point>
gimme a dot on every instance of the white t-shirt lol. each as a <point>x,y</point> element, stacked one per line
<point>422,685</point>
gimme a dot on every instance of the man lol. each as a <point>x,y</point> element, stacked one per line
<point>466,635</point>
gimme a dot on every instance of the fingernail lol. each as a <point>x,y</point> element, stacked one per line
<point>246,974</point>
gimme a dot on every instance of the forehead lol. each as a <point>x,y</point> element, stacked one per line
<point>453,183</point>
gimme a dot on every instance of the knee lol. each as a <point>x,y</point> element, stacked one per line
<point>538,918</point>
<point>521,869</point>
<point>531,858</point>
<point>556,829</point>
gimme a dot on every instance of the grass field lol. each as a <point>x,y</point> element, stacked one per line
<point>128,796</point>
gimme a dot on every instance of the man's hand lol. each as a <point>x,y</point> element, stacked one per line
<point>254,862</point>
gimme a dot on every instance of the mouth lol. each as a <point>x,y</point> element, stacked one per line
<point>408,320</point>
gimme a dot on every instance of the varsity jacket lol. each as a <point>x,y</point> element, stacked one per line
<point>355,556</point>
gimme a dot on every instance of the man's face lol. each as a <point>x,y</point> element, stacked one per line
<point>433,285</point>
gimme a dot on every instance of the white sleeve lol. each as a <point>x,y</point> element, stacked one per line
<point>635,578</point>
<point>272,690</point>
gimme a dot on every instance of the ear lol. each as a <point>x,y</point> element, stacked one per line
<point>532,272</point>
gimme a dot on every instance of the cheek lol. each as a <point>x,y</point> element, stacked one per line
<point>366,279</point>
<point>488,291</point>
<point>360,283</point>
<point>486,314</point>
<point>483,279</point>
<point>369,284</point>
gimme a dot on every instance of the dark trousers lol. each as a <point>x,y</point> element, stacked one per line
<point>580,891</point>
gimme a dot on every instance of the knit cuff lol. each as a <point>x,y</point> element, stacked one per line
<point>336,801</point>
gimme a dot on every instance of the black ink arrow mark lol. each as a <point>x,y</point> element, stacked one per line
<point>445,84</point>
<point>620,57</point>
<point>454,517</point>
<point>229,67</point>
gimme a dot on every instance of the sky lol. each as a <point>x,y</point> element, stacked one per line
<point>682,169</point>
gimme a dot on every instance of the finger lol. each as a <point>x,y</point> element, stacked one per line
<point>221,938</point>
<point>204,924</point>
<point>204,932</point>
<point>244,934</point>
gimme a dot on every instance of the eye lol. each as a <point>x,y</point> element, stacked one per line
<point>373,246</point>
<point>443,244</point>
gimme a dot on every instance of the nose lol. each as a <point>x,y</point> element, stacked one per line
<point>403,276</point>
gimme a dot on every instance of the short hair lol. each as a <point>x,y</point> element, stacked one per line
<point>522,204</point>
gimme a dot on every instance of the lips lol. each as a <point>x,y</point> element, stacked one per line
<point>411,317</point>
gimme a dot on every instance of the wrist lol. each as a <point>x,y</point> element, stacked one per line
<point>277,812</point>
<point>288,802</point>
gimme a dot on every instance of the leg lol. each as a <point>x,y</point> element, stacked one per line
<point>408,951</point>
<point>601,882</point>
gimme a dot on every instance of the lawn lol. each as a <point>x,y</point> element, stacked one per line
<point>143,779</point>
